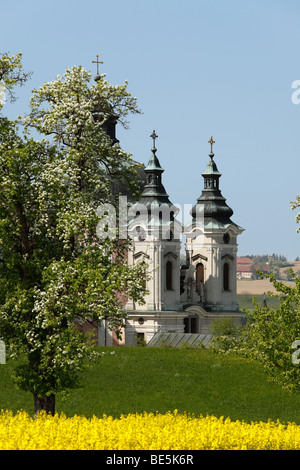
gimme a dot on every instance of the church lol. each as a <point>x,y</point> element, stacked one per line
<point>188,287</point>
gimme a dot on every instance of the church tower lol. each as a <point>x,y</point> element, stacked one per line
<point>156,236</point>
<point>211,247</point>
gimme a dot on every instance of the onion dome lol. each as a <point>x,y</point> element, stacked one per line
<point>154,191</point>
<point>154,209</point>
<point>211,204</point>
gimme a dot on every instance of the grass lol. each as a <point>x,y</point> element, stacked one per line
<point>245,301</point>
<point>128,380</point>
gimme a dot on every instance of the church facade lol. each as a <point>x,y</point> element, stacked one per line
<point>184,296</point>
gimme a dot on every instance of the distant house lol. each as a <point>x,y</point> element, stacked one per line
<point>244,272</point>
<point>245,268</point>
<point>264,268</point>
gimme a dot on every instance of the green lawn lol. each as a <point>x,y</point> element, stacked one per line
<point>128,380</point>
<point>245,301</point>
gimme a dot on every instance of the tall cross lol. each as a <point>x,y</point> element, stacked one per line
<point>97,62</point>
<point>211,142</point>
<point>154,136</point>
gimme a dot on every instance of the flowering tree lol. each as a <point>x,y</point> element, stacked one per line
<point>55,273</point>
<point>12,74</point>
<point>74,112</point>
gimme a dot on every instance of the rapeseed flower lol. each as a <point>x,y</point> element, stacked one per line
<point>143,431</point>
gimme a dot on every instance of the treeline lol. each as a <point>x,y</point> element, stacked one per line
<point>257,259</point>
<point>272,264</point>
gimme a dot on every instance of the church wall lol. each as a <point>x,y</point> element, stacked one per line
<point>216,258</point>
<point>170,289</point>
<point>159,255</point>
<point>147,324</point>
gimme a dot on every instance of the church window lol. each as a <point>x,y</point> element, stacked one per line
<point>226,277</point>
<point>169,275</point>
<point>143,275</point>
<point>140,339</point>
<point>199,275</point>
<point>207,183</point>
<point>170,236</point>
<point>190,325</point>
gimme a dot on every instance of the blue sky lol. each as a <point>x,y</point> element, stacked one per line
<point>198,68</point>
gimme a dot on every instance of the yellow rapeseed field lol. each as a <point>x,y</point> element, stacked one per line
<point>146,431</point>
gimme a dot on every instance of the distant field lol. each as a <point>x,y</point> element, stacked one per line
<point>261,286</point>
<point>257,287</point>
<point>247,289</point>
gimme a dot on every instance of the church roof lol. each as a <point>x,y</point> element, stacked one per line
<point>154,164</point>
<point>211,168</point>
<point>120,186</point>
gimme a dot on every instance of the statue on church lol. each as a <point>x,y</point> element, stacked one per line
<point>190,282</point>
<point>189,289</point>
<point>201,292</point>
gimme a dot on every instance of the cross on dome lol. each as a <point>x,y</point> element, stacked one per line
<point>211,142</point>
<point>97,62</point>
<point>154,136</point>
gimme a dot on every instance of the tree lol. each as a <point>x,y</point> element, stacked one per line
<point>288,274</point>
<point>270,334</point>
<point>12,74</point>
<point>294,205</point>
<point>55,272</point>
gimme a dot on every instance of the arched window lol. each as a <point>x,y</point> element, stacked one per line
<point>226,277</point>
<point>169,275</point>
<point>144,276</point>
<point>199,275</point>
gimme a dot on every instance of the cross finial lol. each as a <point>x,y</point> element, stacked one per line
<point>97,62</point>
<point>154,137</point>
<point>211,142</point>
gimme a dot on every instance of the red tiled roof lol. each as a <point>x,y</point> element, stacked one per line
<point>264,267</point>
<point>244,261</point>
<point>244,268</point>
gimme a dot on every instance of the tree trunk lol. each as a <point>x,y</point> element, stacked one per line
<point>44,404</point>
